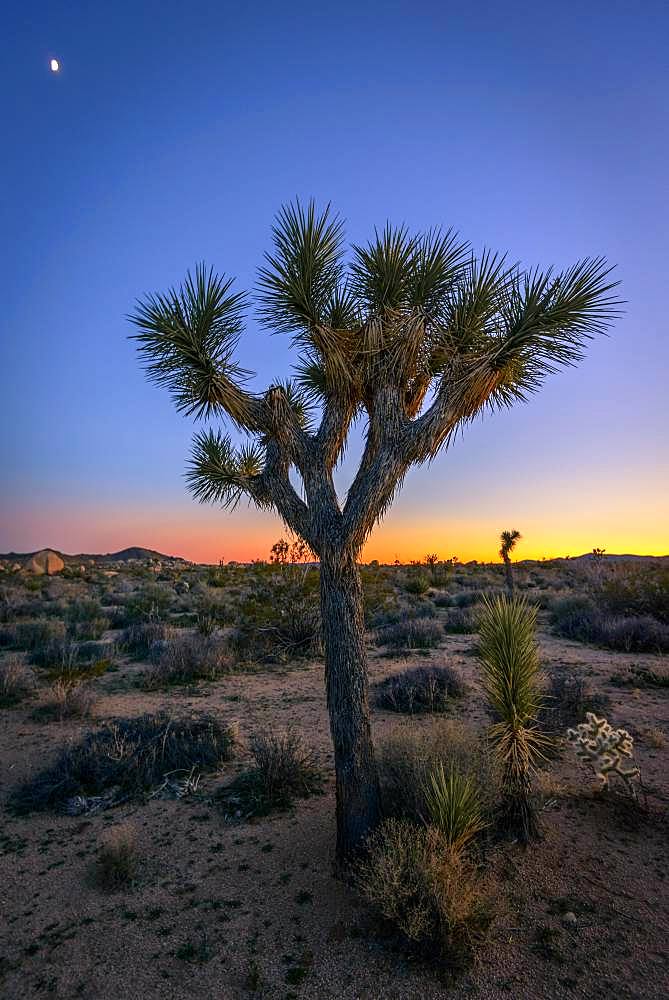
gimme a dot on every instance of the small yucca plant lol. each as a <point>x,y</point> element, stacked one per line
<point>454,805</point>
<point>510,658</point>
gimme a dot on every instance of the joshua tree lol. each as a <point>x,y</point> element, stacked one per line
<point>413,335</point>
<point>508,541</point>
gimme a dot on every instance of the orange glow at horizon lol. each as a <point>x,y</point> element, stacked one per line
<point>206,535</point>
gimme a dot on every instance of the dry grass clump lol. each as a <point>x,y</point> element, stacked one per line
<point>140,638</point>
<point>126,759</point>
<point>567,700</point>
<point>65,699</point>
<point>36,635</point>
<point>116,863</point>
<point>411,754</point>
<point>420,689</point>
<point>186,659</point>
<point>284,770</point>
<point>16,681</point>
<point>411,633</point>
<point>461,621</point>
<point>429,894</point>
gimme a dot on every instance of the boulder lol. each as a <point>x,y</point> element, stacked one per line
<point>45,562</point>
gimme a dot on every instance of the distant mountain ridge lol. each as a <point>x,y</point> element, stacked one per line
<point>124,555</point>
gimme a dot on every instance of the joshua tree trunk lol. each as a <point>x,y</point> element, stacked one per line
<point>508,569</point>
<point>347,697</point>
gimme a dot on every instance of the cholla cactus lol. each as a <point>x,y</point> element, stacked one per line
<point>597,743</point>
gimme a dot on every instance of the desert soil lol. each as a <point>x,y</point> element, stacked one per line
<point>260,901</point>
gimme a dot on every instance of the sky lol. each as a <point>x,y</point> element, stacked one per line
<point>174,132</point>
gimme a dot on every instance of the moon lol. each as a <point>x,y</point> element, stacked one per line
<point>54,65</point>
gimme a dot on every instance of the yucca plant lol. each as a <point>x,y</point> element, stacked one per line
<point>409,336</point>
<point>453,805</point>
<point>510,658</point>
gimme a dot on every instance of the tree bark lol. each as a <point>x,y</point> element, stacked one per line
<point>509,575</point>
<point>358,809</point>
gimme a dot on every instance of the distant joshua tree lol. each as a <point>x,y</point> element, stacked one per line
<point>411,334</point>
<point>431,560</point>
<point>508,541</point>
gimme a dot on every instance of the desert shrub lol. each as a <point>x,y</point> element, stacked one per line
<point>466,598</point>
<point>421,607</point>
<point>186,659</point>
<point>126,759</point>
<point>428,894</point>
<point>284,770</point>
<point>116,862</point>
<point>453,805</point>
<point>139,638</point>
<point>640,677</point>
<point>16,681</point>
<point>461,621</point>
<point>442,599</point>
<point>568,697</point>
<point>8,635</point>
<point>411,633</point>
<point>579,618</point>
<point>65,699</point>
<point>625,590</point>
<point>420,689</point>
<point>410,754</point>
<point>418,583</point>
<point>379,595</point>
<point>150,603</point>
<point>575,618</point>
<point>90,629</point>
<point>633,634</point>
<point>84,610</point>
<point>36,635</point>
<point>281,619</point>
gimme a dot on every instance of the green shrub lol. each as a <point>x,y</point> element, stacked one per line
<point>418,583</point>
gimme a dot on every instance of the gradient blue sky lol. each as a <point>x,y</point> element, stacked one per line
<point>174,132</point>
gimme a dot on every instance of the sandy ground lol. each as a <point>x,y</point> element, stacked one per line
<point>260,903</point>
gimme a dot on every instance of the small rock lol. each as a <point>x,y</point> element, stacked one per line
<point>569,919</point>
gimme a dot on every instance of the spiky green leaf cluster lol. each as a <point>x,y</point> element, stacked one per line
<point>220,473</point>
<point>509,655</point>
<point>187,340</point>
<point>454,805</point>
